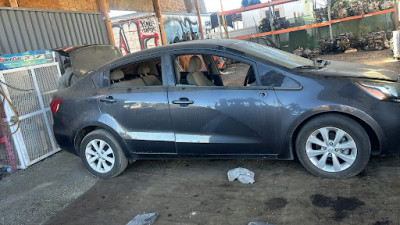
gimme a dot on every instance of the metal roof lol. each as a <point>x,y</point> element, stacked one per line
<point>23,29</point>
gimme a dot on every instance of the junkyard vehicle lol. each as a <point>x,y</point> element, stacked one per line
<point>270,104</point>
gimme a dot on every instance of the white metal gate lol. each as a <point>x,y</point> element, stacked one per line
<point>30,89</point>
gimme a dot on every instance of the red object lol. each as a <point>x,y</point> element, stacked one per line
<point>4,140</point>
<point>220,62</point>
<point>55,104</point>
<point>314,25</point>
<point>258,6</point>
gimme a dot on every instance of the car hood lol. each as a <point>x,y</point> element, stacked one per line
<point>345,69</point>
<point>85,58</point>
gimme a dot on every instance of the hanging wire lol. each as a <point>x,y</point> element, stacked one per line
<point>13,109</point>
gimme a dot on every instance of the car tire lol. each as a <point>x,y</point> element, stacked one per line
<point>102,154</point>
<point>333,146</point>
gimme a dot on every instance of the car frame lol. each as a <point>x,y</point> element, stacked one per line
<point>333,96</point>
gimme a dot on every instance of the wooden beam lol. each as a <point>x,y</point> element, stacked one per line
<point>14,3</point>
<point>199,19</point>
<point>157,10</point>
<point>104,8</point>
<point>223,20</point>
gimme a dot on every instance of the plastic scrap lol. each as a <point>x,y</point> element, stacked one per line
<point>243,175</point>
<point>144,219</point>
<point>259,223</point>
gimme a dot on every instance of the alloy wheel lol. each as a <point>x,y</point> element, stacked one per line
<point>100,156</point>
<point>331,149</point>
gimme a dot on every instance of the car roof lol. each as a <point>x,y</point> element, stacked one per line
<point>190,44</point>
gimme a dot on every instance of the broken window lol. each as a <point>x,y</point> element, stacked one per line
<point>144,73</point>
<point>213,70</point>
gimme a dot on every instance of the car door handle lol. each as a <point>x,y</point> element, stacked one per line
<point>108,99</point>
<point>183,101</point>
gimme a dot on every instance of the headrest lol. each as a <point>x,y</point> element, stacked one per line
<point>117,75</point>
<point>143,69</point>
<point>194,64</point>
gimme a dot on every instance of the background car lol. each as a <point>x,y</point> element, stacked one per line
<point>266,104</point>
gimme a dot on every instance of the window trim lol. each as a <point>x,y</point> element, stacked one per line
<point>252,63</point>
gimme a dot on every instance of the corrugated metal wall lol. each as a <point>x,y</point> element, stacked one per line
<point>24,29</point>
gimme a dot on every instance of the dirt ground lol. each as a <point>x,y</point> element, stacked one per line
<point>60,191</point>
<point>374,58</point>
<point>198,192</point>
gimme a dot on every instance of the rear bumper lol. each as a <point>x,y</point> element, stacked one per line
<point>64,136</point>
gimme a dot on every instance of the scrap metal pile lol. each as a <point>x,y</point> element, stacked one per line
<point>279,24</point>
<point>347,41</point>
<point>344,8</point>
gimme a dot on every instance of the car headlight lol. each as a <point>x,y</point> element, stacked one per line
<point>381,90</point>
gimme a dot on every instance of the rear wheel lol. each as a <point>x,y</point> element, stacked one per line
<point>102,155</point>
<point>333,146</point>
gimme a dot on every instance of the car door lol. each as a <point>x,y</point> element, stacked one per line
<point>139,110</point>
<point>220,120</point>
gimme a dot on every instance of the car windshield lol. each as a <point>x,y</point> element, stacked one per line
<point>273,55</point>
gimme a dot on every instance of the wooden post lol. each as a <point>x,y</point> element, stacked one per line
<point>271,23</point>
<point>104,8</point>
<point>219,26</point>
<point>157,10</point>
<point>199,19</point>
<point>396,15</point>
<point>14,3</point>
<point>329,19</point>
<point>223,20</point>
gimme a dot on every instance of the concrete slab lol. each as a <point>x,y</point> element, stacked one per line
<point>198,192</point>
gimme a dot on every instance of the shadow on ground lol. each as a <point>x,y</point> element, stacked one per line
<point>198,192</point>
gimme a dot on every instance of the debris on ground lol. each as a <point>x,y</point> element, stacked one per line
<point>306,53</point>
<point>144,219</point>
<point>243,175</point>
<point>369,42</point>
<point>350,50</point>
<point>260,223</point>
<point>376,41</point>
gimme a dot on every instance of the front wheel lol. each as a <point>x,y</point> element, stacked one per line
<point>102,155</point>
<point>333,146</point>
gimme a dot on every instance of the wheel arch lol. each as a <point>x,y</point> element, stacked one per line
<point>96,126</point>
<point>374,138</point>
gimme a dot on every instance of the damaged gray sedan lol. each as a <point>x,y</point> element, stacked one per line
<point>173,102</point>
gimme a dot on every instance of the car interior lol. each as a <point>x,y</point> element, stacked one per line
<point>146,73</point>
<point>201,70</point>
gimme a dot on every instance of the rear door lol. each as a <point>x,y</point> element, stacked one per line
<point>230,117</point>
<point>137,106</point>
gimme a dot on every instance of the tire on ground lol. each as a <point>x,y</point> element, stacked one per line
<point>350,126</point>
<point>120,160</point>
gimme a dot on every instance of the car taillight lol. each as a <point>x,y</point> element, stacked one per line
<point>55,104</point>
